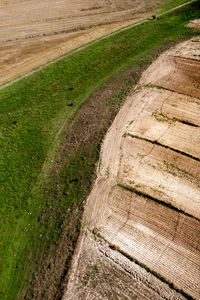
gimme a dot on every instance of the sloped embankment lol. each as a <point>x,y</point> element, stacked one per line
<point>146,200</point>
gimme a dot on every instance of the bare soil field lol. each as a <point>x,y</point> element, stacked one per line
<point>103,273</point>
<point>33,33</point>
<point>169,130</point>
<point>146,200</point>
<point>178,70</point>
<point>161,173</point>
<point>161,238</point>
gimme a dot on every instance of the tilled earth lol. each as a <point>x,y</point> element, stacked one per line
<point>146,200</point>
<point>109,275</point>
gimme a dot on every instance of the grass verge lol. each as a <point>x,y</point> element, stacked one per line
<point>47,163</point>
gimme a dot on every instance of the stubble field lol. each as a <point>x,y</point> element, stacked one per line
<point>33,33</point>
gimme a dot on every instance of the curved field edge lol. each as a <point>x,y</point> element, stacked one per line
<point>43,183</point>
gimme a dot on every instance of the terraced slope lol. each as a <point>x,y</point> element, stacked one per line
<point>163,239</point>
<point>146,200</point>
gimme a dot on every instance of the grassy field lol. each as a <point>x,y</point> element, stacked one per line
<point>39,186</point>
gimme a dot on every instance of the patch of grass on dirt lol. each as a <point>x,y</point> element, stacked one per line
<point>43,179</point>
<point>91,275</point>
<point>119,97</point>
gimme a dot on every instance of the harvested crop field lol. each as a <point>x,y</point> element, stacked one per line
<point>33,33</point>
<point>146,200</point>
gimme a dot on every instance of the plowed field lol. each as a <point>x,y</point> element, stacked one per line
<point>161,238</point>
<point>146,200</point>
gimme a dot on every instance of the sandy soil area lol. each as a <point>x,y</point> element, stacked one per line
<point>33,33</point>
<point>103,274</point>
<point>146,199</point>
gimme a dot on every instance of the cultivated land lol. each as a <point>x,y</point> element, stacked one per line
<point>115,277</point>
<point>145,203</point>
<point>50,137</point>
<point>33,33</point>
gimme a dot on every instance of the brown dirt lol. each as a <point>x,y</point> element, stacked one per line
<point>178,70</point>
<point>161,238</point>
<point>152,148</point>
<point>106,274</point>
<point>161,173</point>
<point>33,34</point>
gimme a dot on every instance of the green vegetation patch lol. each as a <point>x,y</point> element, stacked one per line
<point>38,188</point>
<point>172,4</point>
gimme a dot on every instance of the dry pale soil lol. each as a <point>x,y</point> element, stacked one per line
<point>142,217</point>
<point>33,32</point>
